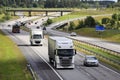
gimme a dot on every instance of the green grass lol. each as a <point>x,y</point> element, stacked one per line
<point>82,12</point>
<point>65,17</point>
<point>99,53</point>
<point>11,17</point>
<point>1,17</point>
<point>109,35</point>
<point>12,62</point>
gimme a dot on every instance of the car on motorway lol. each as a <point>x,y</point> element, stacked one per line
<point>73,34</point>
<point>91,60</point>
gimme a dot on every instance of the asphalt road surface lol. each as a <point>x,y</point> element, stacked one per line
<point>37,56</point>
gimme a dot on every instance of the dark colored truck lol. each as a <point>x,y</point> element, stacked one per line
<point>16,28</point>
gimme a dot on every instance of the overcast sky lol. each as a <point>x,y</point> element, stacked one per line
<point>115,0</point>
<point>107,0</point>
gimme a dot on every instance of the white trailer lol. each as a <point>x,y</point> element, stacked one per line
<point>61,52</point>
<point>36,36</point>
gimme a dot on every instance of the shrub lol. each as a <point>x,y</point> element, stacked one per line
<point>71,26</point>
<point>49,21</point>
<point>80,24</point>
<point>105,20</point>
<point>90,22</point>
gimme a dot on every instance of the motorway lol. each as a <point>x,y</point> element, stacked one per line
<point>37,56</point>
<point>99,42</point>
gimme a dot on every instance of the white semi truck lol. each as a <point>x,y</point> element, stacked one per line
<point>61,52</point>
<point>36,36</point>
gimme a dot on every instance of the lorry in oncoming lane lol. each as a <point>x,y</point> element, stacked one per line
<point>15,28</point>
<point>61,52</point>
<point>36,36</point>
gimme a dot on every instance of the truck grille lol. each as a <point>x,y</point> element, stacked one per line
<point>37,42</point>
<point>66,62</point>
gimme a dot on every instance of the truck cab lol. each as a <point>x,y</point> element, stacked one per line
<point>36,36</point>
<point>61,52</point>
<point>15,28</point>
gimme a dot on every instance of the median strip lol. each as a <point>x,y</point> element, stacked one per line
<point>104,56</point>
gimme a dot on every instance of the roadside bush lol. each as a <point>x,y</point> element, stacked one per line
<point>2,20</point>
<point>0,11</point>
<point>112,21</point>
<point>89,22</point>
<point>71,26</point>
<point>7,17</point>
<point>80,24</point>
<point>49,21</point>
<point>105,20</point>
<point>114,16</point>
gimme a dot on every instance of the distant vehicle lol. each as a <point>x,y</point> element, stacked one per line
<point>23,23</point>
<point>61,52</point>
<point>16,28</point>
<point>44,28</point>
<point>9,25</point>
<point>91,60</point>
<point>18,23</point>
<point>73,34</point>
<point>36,36</point>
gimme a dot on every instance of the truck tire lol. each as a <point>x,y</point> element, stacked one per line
<point>50,59</point>
<point>41,45</point>
<point>54,63</point>
<point>31,43</point>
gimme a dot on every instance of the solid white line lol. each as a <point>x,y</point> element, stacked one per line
<point>50,66</point>
<point>101,65</point>
<point>109,69</point>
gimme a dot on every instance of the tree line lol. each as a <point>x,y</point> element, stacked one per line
<point>90,22</point>
<point>54,3</point>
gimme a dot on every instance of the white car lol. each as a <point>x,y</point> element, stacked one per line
<point>73,34</point>
<point>91,60</point>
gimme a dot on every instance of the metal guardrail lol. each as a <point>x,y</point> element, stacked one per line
<point>108,50</point>
<point>102,48</point>
<point>29,67</point>
<point>93,52</point>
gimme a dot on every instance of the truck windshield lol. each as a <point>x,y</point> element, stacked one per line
<point>36,36</point>
<point>65,52</point>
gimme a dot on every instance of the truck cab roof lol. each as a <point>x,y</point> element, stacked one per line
<point>60,38</point>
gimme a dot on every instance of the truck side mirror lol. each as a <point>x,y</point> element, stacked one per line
<point>55,52</point>
<point>75,51</point>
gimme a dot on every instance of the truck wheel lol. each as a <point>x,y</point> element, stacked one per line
<point>54,64</point>
<point>50,59</point>
<point>41,44</point>
<point>31,43</point>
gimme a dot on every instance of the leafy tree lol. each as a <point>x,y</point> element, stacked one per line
<point>119,16</point>
<point>7,17</point>
<point>80,24</point>
<point>114,16</point>
<point>89,22</point>
<point>105,20</point>
<point>49,21</point>
<point>109,23</point>
<point>71,26</point>
<point>14,5</point>
<point>112,22</point>
<point>22,4</point>
<point>35,4</point>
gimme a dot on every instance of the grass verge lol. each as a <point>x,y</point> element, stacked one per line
<point>84,12</point>
<point>109,35</point>
<point>102,55</point>
<point>12,62</point>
